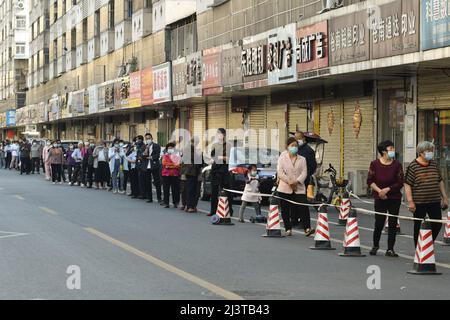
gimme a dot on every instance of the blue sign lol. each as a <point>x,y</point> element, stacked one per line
<point>10,118</point>
<point>435,24</point>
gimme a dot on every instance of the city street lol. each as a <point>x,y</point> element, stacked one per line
<point>129,249</point>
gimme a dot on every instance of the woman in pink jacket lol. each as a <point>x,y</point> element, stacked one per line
<point>292,172</point>
<point>47,167</point>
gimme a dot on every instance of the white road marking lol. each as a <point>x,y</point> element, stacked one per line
<point>19,197</point>
<point>7,234</point>
<point>48,210</point>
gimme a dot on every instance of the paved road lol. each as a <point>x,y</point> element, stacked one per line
<point>128,249</point>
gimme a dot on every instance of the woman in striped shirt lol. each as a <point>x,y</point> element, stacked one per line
<point>425,190</point>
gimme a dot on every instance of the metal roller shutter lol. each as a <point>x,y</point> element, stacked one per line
<point>331,110</point>
<point>276,120</point>
<point>358,150</point>
<point>235,126</point>
<point>217,112</point>
<point>298,118</point>
<point>198,121</point>
<point>433,92</point>
<point>258,107</point>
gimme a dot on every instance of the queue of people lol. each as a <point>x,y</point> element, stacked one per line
<point>175,173</point>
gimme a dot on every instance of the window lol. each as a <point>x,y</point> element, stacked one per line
<point>128,9</point>
<point>147,3</point>
<point>21,22</point>
<point>111,14</point>
<point>97,23</point>
<point>20,48</point>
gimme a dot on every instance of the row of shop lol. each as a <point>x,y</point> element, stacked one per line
<point>293,77</point>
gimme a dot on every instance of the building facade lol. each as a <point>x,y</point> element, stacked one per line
<point>356,73</point>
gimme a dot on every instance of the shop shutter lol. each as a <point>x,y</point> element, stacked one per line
<point>217,112</point>
<point>358,151</point>
<point>433,92</point>
<point>298,118</point>
<point>333,147</point>
<point>234,124</point>
<point>276,120</point>
<point>198,121</point>
<point>258,107</point>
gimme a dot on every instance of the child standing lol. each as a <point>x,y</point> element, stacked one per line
<point>251,186</point>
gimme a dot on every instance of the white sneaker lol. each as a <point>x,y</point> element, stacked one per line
<point>82,185</point>
<point>70,184</point>
<point>53,182</point>
<point>115,191</point>
<point>60,183</point>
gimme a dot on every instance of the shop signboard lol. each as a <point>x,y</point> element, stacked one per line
<point>282,55</point>
<point>231,68</point>
<point>435,24</point>
<point>134,99</point>
<point>179,72</point>
<point>254,61</point>
<point>194,75</point>
<point>93,99</point>
<point>162,83</point>
<point>312,48</point>
<point>211,71</point>
<point>10,118</point>
<point>147,87</point>
<point>395,29</point>
<point>349,38</point>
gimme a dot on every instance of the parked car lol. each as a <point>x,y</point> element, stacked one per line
<point>240,158</point>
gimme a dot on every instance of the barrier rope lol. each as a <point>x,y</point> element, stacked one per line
<point>364,211</point>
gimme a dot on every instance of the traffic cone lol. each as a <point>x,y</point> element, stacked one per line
<point>223,211</point>
<point>273,226</point>
<point>446,239</point>
<point>322,236</point>
<point>352,246</point>
<point>424,262</point>
<point>344,209</point>
<point>386,226</point>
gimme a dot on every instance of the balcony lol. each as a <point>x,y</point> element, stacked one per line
<point>61,65</point>
<point>122,34</point>
<point>71,60</point>
<point>93,49</point>
<point>81,55</point>
<point>106,42</point>
<point>141,24</point>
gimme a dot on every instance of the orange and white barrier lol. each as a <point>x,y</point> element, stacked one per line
<point>352,245</point>
<point>273,226</point>
<point>446,239</point>
<point>322,236</point>
<point>222,212</point>
<point>424,261</point>
<point>344,210</point>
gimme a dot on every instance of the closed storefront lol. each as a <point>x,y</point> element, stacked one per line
<point>276,125</point>
<point>257,120</point>
<point>298,117</point>
<point>217,112</point>
<point>434,118</point>
<point>198,121</point>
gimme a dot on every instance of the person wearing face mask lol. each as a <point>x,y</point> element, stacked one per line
<point>46,160</point>
<point>101,166</point>
<point>141,166</point>
<point>152,155</point>
<point>77,158</point>
<point>88,160</point>
<point>8,155</point>
<point>171,175</point>
<point>35,152</point>
<point>116,164</point>
<point>386,179</point>
<point>425,189</point>
<point>292,172</point>
<point>132,172</point>
<point>56,155</point>
<point>251,186</point>
<point>84,163</point>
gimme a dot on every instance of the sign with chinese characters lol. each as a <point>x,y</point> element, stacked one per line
<point>435,24</point>
<point>121,93</point>
<point>162,83</point>
<point>194,75</point>
<point>147,87</point>
<point>93,99</point>
<point>211,71</point>
<point>231,67</point>
<point>312,47</point>
<point>134,99</point>
<point>281,55</point>
<point>349,38</point>
<point>395,30</point>
<point>179,69</point>
<point>75,103</point>
<point>254,61</point>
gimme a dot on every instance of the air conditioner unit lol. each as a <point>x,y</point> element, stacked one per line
<point>358,182</point>
<point>331,4</point>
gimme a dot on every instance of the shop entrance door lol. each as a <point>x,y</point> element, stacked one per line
<point>391,115</point>
<point>437,129</point>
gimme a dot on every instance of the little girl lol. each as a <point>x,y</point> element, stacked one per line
<point>251,186</point>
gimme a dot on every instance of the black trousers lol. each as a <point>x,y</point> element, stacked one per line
<point>70,169</point>
<point>76,177</point>
<point>148,194</point>
<point>156,181</point>
<point>56,172</point>
<point>220,180</point>
<point>89,176</point>
<point>8,160</point>
<point>171,184</point>
<point>134,182</point>
<point>291,212</point>
<point>183,192</point>
<point>35,165</point>
<point>142,176</point>
<point>191,192</point>
<point>434,212</point>
<point>391,206</point>
<point>126,178</point>
<point>25,165</point>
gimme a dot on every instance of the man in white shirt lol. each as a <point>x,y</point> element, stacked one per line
<point>15,155</point>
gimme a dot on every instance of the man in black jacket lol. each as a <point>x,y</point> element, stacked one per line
<point>152,156</point>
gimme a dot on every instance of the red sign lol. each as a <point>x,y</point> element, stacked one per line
<point>134,99</point>
<point>147,87</point>
<point>212,71</point>
<point>312,47</point>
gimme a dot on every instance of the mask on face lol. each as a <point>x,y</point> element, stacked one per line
<point>170,151</point>
<point>254,173</point>
<point>120,144</point>
<point>149,141</point>
<point>293,150</point>
<point>71,147</point>
<point>391,154</point>
<point>55,145</point>
<point>429,155</point>
<point>116,145</point>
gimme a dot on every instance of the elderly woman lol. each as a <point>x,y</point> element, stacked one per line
<point>292,172</point>
<point>386,180</point>
<point>425,190</point>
